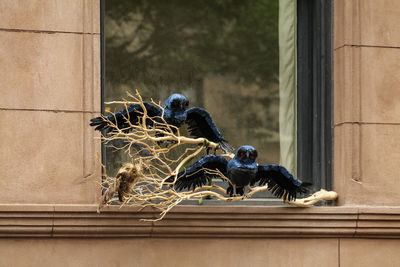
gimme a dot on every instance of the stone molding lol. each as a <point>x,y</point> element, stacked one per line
<point>203,222</point>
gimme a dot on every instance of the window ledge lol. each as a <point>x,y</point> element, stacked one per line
<point>199,221</point>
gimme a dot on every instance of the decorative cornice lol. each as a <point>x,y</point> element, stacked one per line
<point>203,221</point>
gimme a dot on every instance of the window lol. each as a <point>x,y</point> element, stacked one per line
<point>314,92</point>
<point>224,56</point>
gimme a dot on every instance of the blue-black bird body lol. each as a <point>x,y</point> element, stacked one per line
<point>242,171</point>
<point>175,109</point>
<point>174,112</point>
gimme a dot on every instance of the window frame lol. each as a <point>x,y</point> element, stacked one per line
<point>102,74</point>
<point>314,92</point>
<point>314,89</point>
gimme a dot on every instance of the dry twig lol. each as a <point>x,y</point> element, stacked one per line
<point>143,181</point>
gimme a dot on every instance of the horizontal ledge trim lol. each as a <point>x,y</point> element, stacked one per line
<point>50,110</point>
<point>47,31</point>
<point>366,46</point>
<point>199,221</point>
<point>365,123</point>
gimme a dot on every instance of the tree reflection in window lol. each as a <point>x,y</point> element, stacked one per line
<point>223,55</point>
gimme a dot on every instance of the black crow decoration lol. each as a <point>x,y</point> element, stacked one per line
<point>200,123</point>
<point>242,170</point>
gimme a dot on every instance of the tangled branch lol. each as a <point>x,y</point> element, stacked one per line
<point>158,151</point>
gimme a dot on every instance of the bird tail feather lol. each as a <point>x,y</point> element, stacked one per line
<point>99,122</point>
<point>305,188</point>
<point>226,147</point>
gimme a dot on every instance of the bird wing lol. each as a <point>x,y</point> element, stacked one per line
<point>121,118</point>
<point>200,124</point>
<point>197,175</point>
<point>280,181</point>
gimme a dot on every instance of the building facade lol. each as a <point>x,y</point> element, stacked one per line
<point>50,69</point>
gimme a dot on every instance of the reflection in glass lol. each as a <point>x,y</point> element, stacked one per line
<point>222,55</point>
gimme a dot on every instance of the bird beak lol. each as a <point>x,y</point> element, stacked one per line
<point>247,154</point>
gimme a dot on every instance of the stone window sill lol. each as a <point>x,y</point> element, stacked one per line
<point>189,221</point>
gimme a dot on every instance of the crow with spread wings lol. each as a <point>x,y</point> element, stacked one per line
<point>200,123</point>
<point>241,171</point>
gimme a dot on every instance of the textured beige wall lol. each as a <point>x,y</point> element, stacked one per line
<point>49,68</point>
<point>162,252</point>
<point>367,102</point>
<point>200,252</point>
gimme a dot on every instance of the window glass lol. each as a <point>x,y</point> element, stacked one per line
<point>222,55</point>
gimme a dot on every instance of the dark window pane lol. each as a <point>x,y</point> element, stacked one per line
<point>223,55</point>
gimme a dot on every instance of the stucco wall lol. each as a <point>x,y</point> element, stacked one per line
<point>50,84</point>
<point>367,102</point>
<point>50,73</point>
<point>200,252</point>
